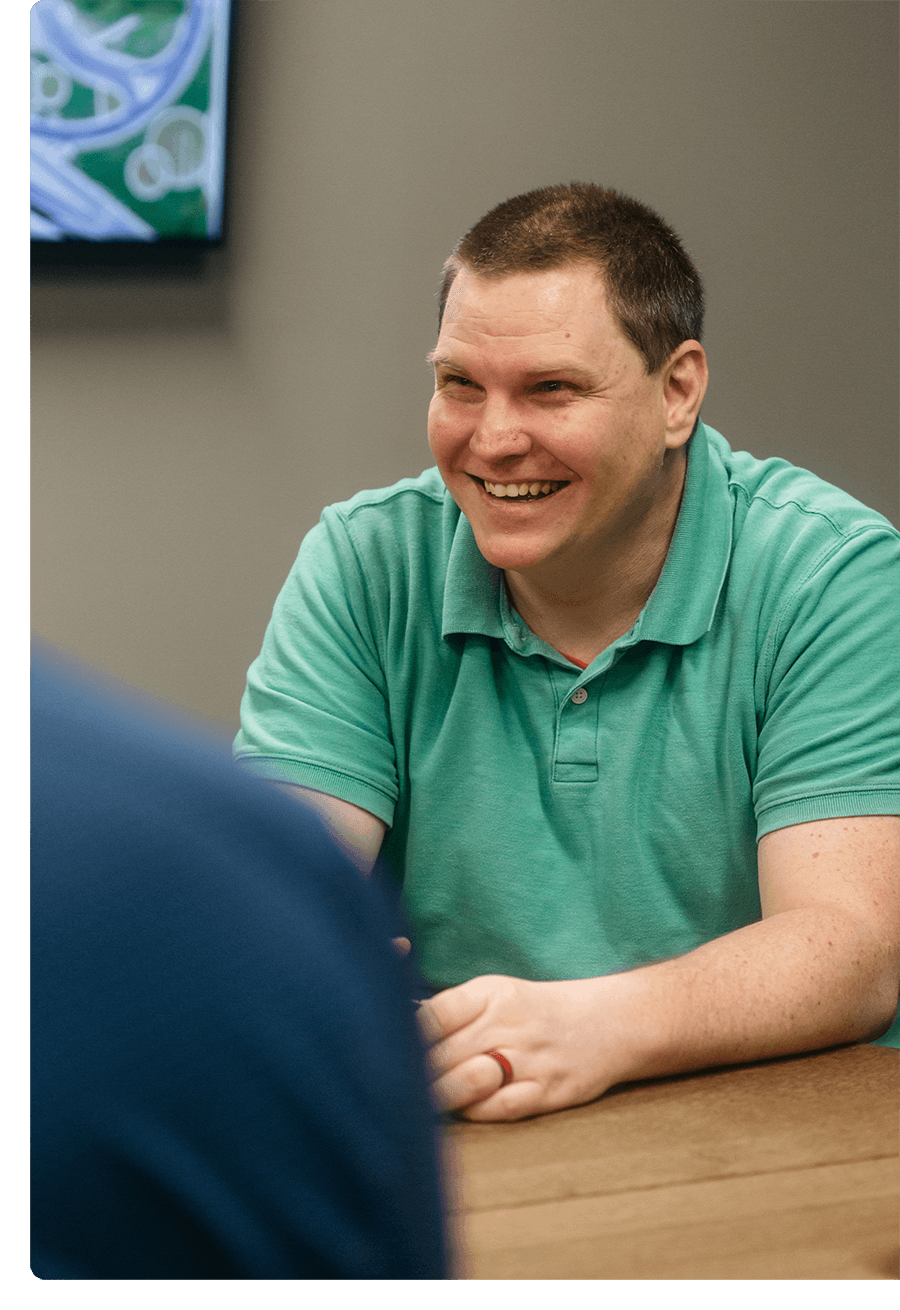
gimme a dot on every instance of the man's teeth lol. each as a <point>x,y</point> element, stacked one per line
<point>513,489</point>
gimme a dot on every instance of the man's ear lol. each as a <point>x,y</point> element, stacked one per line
<point>685,378</point>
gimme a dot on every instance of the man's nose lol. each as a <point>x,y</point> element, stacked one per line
<point>499,431</point>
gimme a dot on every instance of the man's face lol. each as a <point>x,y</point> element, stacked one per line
<point>537,387</point>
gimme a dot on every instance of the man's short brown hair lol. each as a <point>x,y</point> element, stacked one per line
<point>654,290</point>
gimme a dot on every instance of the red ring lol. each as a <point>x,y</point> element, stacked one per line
<point>504,1065</point>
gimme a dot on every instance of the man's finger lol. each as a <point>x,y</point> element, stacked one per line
<point>468,1083</point>
<point>452,1009</point>
<point>428,1024</point>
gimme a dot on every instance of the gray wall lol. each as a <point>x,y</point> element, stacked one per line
<point>186,432</point>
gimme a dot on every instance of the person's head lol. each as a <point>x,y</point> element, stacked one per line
<point>561,438</point>
<point>653,290</point>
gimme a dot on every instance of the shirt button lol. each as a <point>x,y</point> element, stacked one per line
<point>579,696</point>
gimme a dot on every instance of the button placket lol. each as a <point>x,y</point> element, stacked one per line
<point>576,755</point>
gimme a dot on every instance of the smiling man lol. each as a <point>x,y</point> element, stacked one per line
<point>618,706</point>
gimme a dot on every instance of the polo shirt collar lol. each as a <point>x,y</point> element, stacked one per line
<point>472,589</point>
<point>683,603</point>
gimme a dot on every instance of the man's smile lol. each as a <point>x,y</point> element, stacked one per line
<point>522,490</point>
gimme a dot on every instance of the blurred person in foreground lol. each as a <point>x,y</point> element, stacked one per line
<point>618,705</point>
<point>227,1079</point>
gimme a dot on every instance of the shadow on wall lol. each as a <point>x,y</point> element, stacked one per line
<point>119,288</point>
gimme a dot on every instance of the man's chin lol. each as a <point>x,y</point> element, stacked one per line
<point>511,556</point>
<point>518,547</point>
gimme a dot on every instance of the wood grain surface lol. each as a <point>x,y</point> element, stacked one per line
<point>786,1169</point>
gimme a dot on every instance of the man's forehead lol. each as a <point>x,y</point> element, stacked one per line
<point>553,292</point>
<point>537,322</point>
<point>527,304</point>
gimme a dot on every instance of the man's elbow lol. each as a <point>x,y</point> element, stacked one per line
<point>882,994</point>
<point>885,1000</point>
<point>880,1028</point>
<point>872,982</point>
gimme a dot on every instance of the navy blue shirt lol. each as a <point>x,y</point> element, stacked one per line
<point>227,1078</point>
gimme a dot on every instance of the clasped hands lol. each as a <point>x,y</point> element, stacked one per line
<point>552,1034</point>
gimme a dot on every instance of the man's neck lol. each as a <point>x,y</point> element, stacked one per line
<point>582,624</point>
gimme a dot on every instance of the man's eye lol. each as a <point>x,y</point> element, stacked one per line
<point>459,381</point>
<point>553,384</point>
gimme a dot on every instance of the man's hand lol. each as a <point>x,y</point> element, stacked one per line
<point>819,969</point>
<point>550,1032</point>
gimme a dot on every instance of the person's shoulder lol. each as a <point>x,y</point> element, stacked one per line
<point>774,498</point>
<point>106,756</point>
<point>414,518</point>
<point>409,498</point>
<point>122,781</point>
<point>73,701</point>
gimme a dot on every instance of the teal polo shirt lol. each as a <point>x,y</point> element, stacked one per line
<point>551,822</point>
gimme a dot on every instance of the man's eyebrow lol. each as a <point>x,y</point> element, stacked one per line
<point>445,361</point>
<point>546,369</point>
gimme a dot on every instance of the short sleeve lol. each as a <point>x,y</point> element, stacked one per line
<point>315,710</point>
<point>829,689</point>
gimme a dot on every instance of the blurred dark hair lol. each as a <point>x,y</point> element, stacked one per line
<point>654,290</point>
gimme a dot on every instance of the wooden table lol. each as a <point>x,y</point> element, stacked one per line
<point>786,1169</point>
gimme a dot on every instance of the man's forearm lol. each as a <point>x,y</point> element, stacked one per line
<point>800,980</point>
